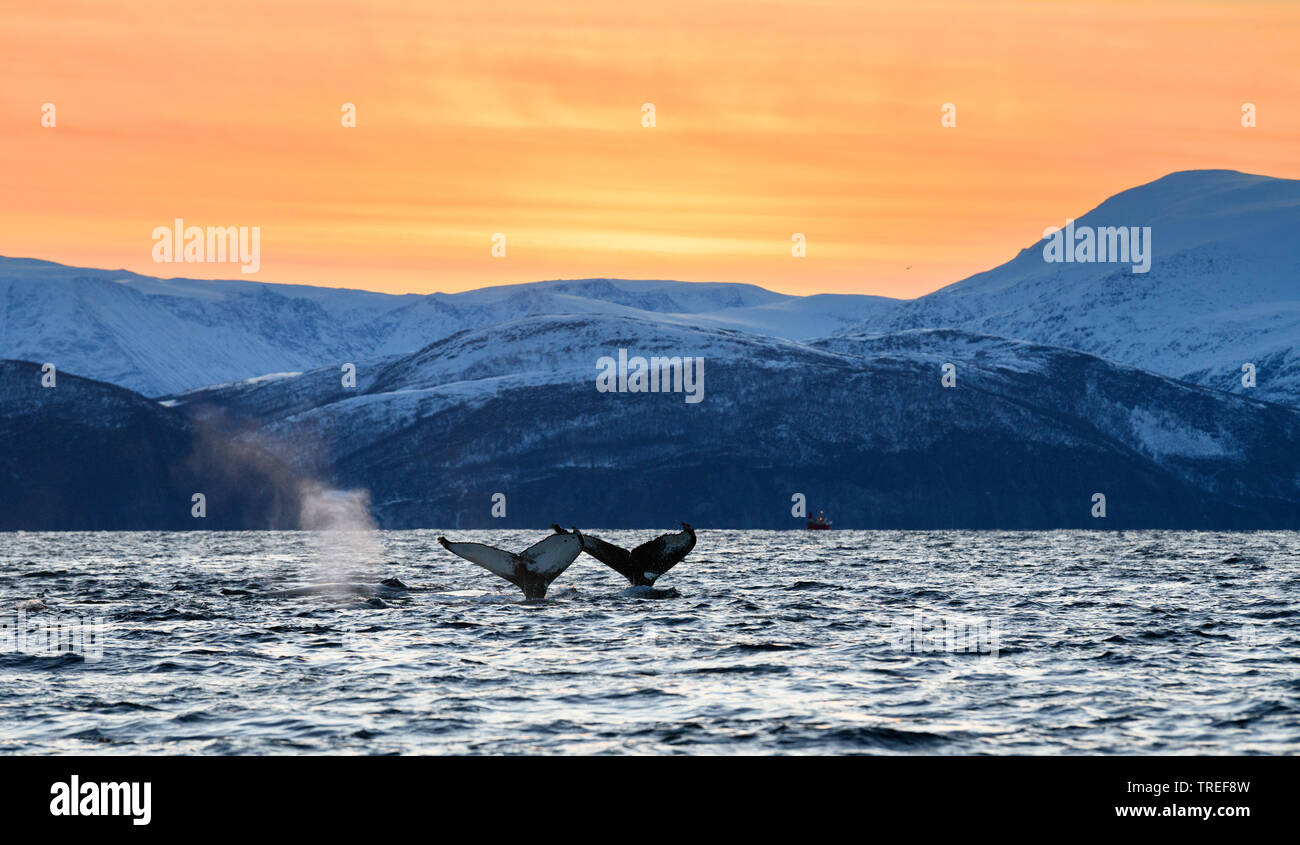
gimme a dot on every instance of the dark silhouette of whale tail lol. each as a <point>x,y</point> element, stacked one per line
<point>643,565</point>
<point>532,570</point>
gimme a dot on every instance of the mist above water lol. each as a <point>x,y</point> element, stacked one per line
<point>340,529</point>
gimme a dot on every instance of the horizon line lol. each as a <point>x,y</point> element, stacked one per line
<point>642,280</point>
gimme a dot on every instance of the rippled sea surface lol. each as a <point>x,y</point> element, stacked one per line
<point>780,642</point>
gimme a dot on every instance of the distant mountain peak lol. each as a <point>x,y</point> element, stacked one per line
<point>1221,291</point>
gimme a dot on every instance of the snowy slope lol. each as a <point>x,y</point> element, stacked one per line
<point>1223,288</point>
<point>161,336</point>
<point>1222,291</point>
<point>858,421</point>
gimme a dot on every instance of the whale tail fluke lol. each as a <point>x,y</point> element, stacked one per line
<point>663,552</point>
<point>553,555</point>
<point>533,570</point>
<point>644,564</point>
<point>494,560</point>
<point>615,557</point>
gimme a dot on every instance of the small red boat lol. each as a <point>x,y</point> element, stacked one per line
<point>821,523</point>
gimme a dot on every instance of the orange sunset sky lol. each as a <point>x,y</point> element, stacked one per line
<point>525,118</point>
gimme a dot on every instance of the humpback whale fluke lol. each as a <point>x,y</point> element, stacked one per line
<point>533,569</point>
<point>644,564</point>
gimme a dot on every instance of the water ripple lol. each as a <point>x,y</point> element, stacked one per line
<point>778,642</point>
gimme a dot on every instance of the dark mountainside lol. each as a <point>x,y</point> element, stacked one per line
<point>859,424</point>
<point>86,456</point>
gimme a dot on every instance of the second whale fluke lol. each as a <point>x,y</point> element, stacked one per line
<point>643,565</point>
<point>533,569</point>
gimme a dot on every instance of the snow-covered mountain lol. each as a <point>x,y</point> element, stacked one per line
<point>160,336</point>
<point>1071,380</point>
<point>859,423</point>
<point>1223,288</point>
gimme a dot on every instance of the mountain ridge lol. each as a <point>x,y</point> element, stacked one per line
<point>1023,440</point>
<point>1221,291</point>
<point>163,336</point>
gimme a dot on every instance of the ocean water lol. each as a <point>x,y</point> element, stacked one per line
<point>779,642</point>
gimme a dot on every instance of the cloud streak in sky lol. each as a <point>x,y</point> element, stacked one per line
<point>772,118</point>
